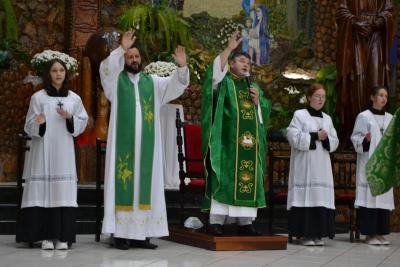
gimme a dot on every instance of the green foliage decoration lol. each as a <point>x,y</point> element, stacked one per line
<point>158,28</point>
<point>327,77</point>
<point>277,24</point>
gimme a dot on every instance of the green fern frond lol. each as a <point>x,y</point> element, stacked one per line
<point>161,28</point>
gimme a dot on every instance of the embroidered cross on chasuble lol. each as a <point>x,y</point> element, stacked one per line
<point>125,142</point>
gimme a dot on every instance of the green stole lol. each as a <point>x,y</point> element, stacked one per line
<point>383,168</point>
<point>246,165</point>
<point>234,143</point>
<point>125,142</point>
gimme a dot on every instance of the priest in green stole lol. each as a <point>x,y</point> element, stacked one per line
<point>134,202</point>
<point>234,122</point>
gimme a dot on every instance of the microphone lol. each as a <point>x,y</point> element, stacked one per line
<point>248,79</point>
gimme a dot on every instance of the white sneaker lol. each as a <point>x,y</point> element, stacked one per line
<point>383,240</point>
<point>47,245</point>
<point>61,245</point>
<point>319,242</point>
<point>373,241</point>
<point>307,242</point>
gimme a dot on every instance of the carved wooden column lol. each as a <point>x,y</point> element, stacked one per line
<point>82,19</point>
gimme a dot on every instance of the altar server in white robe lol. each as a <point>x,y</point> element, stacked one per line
<point>56,115</point>
<point>373,213</point>
<point>134,201</point>
<point>311,202</point>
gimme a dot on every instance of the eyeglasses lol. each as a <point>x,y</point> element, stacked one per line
<point>320,97</point>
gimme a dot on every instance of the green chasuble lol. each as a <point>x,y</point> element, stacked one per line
<point>234,142</point>
<point>125,142</point>
<point>383,168</point>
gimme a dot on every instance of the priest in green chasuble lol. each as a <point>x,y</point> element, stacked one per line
<point>234,121</point>
<point>134,202</point>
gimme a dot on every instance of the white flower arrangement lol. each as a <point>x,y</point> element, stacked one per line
<point>292,90</point>
<point>303,100</point>
<point>40,60</point>
<point>226,31</point>
<point>160,68</point>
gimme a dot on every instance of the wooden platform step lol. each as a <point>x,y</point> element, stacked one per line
<point>226,243</point>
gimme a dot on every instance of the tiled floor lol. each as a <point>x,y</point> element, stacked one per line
<point>87,253</point>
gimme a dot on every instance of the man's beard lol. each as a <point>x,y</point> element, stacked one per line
<point>134,68</point>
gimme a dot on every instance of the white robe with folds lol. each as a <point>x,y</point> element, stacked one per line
<point>368,122</point>
<point>50,171</point>
<point>138,224</point>
<point>310,175</point>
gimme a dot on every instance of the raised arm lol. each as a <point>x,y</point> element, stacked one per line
<point>114,64</point>
<point>174,86</point>
<point>233,43</point>
<point>220,64</point>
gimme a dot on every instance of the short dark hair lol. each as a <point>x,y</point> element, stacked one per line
<point>375,89</point>
<point>237,53</point>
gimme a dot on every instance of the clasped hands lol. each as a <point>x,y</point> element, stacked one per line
<point>322,135</point>
<point>365,28</point>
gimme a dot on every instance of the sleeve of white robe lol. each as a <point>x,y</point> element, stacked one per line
<point>172,87</point>
<point>359,132</point>
<point>109,71</point>
<point>332,135</point>
<point>218,72</point>
<point>80,117</point>
<point>297,138</point>
<point>31,126</point>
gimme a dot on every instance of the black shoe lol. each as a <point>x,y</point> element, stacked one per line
<point>121,243</point>
<point>142,244</point>
<point>247,230</point>
<point>215,229</point>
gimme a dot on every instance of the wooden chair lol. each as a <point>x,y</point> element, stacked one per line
<point>344,165</point>
<point>278,176</point>
<point>100,161</point>
<point>190,161</point>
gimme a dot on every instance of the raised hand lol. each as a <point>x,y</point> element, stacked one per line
<point>233,43</point>
<point>180,56</point>
<point>234,40</point>
<point>64,114</point>
<point>40,118</point>
<point>128,39</point>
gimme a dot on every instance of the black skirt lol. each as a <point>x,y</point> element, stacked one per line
<point>373,221</point>
<point>37,224</point>
<point>311,222</point>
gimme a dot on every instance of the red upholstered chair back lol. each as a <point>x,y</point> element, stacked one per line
<point>193,155</point>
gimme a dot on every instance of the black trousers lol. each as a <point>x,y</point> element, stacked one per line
<point>311,222</point>
<point>38,223</point>
<point>373,221</point>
